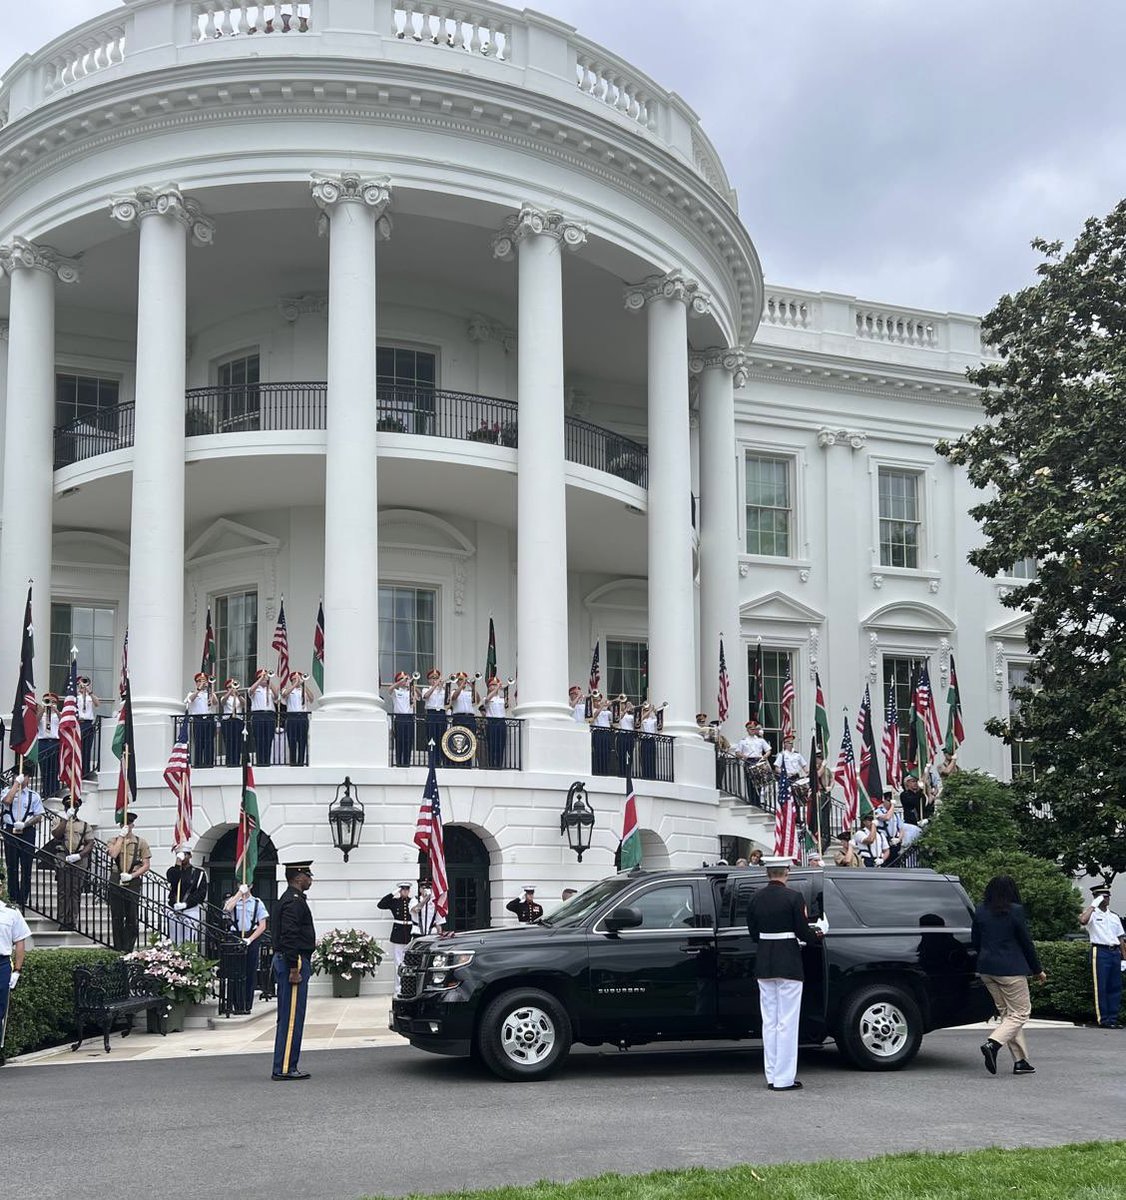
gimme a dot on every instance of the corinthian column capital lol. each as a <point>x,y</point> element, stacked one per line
<point>20,254</point>
<point>329,191</point>
<point>536,222</point>
<point>673,286</point>
<point>725,358</point>
<point>164,201</point>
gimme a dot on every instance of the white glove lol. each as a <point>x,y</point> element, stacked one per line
<point>244,888</point>
<point>73,858</point>
<point>14,980</point>
<point>179,906</point>
<point>20,780</point>
<point>1122,965</point>
<point>822,923</point>
<point>17,827</point>
<point>126,877</point>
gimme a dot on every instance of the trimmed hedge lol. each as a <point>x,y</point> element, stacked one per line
<point>1068,995</point>
<point>1050,899</point>
<point>41,1012</point>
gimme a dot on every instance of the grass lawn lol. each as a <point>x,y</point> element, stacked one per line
<point>1092,1171</point>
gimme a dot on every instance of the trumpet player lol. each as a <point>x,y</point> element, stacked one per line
<point>200,704</point>
<point>263,720</point>
<point>577,701</point>
<point>601,736</point>
<point>627,726</point>
<point>297,704</point>
<point>463,699</point>
<point>49,744</point>
<point>402,717</point>
<point>232,718</point>
<point>496,728</point>
<point>87,711</point>
<point>434,702</point>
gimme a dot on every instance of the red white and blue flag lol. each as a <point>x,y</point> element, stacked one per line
<point>893,763</point>
<point>785,821</point>
<point>178,776</point>
<point>788,704</point>
<point>428,838</point>
<point>70,738</point>
<point>723,698</point>
<point>845,776</point>
<point>281,644</point>
<point>595,670</point>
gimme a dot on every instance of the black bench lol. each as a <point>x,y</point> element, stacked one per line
<point>104,992</point>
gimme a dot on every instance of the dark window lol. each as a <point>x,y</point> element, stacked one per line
<point>670,907</point>
<point>239,379</point>
<point>884,901</point>
<point>404,381</point>
<point>627,669</point>
<point>407,630</point>
<point>90,631</point>
<point>236,636</point>
<point>1020,750</point>
<point>899,675</point>
<point>87,402</point>
<point>775,663</point>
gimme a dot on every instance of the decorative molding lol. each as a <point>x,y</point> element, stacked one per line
<point>814,650</point>
<point>999,666</point>
<point>854,439</point>
<point>674,285</point>
<point>877,582</point>
<point>944,661</point>
<point>836,377</point>
<point>537,222</point>
<point>873,657</point>
<point>744,570</point>
<point>19,254</point>
<point>350,188</point>
<point>292,307</point>
<point>481,329</point>
<point>725,358</point>
<point>933,586</point>
<point>164,201</point>
<point>460,576</point>
<point>803,575</point>
<point>1003,592</point>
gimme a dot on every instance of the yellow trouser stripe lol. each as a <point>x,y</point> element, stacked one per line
<point>1095,981</point>
<point>292,1020</point>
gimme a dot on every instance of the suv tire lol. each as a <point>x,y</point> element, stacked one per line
<point>881,1028</point>
<point>524,1034</point>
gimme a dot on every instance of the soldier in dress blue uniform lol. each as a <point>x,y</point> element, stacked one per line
<point>294,941</point>
<point>777,922</point>
<point>527,910</point>
<point>401,924</point>
<point>248,916</point>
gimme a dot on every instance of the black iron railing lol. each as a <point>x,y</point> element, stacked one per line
<point>419,411</point>
<point>759,788</point>
<point>45,773</point>
<point>215,741</point>
<point>495,749</point>
<point>643,755</point>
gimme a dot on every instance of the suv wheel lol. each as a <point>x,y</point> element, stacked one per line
<point>881,1028</point>
<point>524,1035</point>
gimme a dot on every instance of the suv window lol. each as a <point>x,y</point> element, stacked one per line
<point>734,895</point>
<point>884,901</point>
<point>671,907</point>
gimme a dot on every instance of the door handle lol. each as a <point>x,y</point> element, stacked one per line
<point>695,948</point>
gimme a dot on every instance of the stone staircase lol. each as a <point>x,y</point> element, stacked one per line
<point>46,935</point>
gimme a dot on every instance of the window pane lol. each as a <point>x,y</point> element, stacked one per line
<point>768,508</point>
<point>407,631</point>
<point>774,664</point>
<point>90,630</point>
<point>666,907</point>
<point>905,902</point>
<point>236,636</point>
<point>1020,750</point>
<point>899,518</point>
<point>899,675</point>
<point>626,663</point>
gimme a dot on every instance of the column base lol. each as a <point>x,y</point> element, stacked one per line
<point>348,738</point>
<point>694,761</point>
<point>544,710</point>
<point>562,746</point>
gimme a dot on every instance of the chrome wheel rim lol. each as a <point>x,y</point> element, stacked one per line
<point>883,1029</point>
<point>527,1036</point>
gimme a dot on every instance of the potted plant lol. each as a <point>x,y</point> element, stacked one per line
<point>347,955</point>
<point>628,465</point>
<point>197,422</point>
<point>508,433</point>
<point>390,425</point>
<point>484,433</point>
<point>181,973</point>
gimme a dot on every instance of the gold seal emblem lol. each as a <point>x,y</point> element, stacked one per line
<point>459,744</point>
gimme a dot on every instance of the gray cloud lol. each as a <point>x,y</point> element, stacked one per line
<point>902,152</point>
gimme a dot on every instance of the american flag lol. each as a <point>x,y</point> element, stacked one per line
<point>924,706</point>
<point>595,670</point>
<point>723,699</point>
<point>892,762</point>
<point>871,785</point>
<point>178,776</point>
<point>788,704</point>
<point>845,775</point>
<point>281,644</point>
<point>428,838</point>
<point>70,738</point>
<point>785,821</point>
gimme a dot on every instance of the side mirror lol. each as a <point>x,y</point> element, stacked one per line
<point>623,918</point>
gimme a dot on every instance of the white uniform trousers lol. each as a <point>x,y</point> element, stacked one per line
<point>184,926</point>
<point>780,1002</point>
<point>400,951</point>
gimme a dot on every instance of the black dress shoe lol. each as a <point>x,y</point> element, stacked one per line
<point>290,1075</point>
<point>793,1087</point>
<point>1023,1067</point>
<point>770,1087</point>
<point>990,1049</point>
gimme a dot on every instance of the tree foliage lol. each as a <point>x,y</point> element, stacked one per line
<point>1051,901</point>
<point>1049,460</point>
<point>977,814</point>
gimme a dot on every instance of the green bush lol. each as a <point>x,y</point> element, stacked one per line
<point>1051,901</point>
<point>41,1012</point>
<point>1069,993</point>
<point>975,814</point>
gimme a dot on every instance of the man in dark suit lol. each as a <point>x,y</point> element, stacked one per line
<point>777,922</point>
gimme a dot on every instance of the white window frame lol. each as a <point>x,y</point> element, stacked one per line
<point>796,453</point>
<point>442,617</point>
<point>212,602</point>
<point>928,557</point>
<point>1010,661</point>
<point>774,637</point>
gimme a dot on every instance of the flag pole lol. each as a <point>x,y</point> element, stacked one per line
<point>125,792</point>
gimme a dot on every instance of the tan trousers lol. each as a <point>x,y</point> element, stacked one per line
<point>1010,995</point>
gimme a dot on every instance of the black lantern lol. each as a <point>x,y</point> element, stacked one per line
<point>577,819</point>
<point>346,818</point>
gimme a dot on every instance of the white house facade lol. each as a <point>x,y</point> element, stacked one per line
<point>441,314</point>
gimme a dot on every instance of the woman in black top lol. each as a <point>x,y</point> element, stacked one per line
<point>1005,959</point>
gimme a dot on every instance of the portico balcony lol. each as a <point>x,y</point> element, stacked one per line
<point>422,412</point>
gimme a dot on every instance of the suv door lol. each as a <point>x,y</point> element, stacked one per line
<point>656,980</point>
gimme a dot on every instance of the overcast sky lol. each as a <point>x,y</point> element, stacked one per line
<point>895,150</point>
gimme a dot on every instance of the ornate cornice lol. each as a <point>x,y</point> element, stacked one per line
<point>480,329</point>
<point>19,254</point>
<point>350,188</point>
<point>164,201</point>
<point>292,307</point>
<point>853,438</point>
<point>537,222</point>
<point>673,286</point>
<point>725,358</point>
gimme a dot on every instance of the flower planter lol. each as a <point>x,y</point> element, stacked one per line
<point>345,989</point>
<point>176,1015</point>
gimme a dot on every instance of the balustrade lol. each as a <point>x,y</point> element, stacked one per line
<point>787,311</point>
<point>896,328</point>
<point>474,31</point>
<point>94,50</point>
<point>230,18</point>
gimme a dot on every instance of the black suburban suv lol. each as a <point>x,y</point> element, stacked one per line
<point>666,955</point>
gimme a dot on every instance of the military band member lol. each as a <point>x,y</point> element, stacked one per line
<point>187,890</point>
<point>247,915</point>
<point>402,717</point>
<point>49,745</point>
<point>87,713</point>
<point>527,910</point>
<point>627,725</point>
<point>20,811</point>
<point>200,702</point>
<point>233,710</point>
<point>263,716</point>
<point>650,726</point>
<point>777,922</point>
<point>463,700</point>
<point>754,750</point>
<point>496,728</point>
<point>298,701</point>
<point>294,941</point>
<point>73,841</point>
<point>601,737</point>
<point>578,704</point>
<point>792,761</point>
<point>401,924</point>
<point>434,702</point>
<point>130,858</point>
<point>13,942</point>
<point>427,920</point>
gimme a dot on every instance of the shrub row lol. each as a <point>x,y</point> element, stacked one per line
<point>1068,995</point>
<point>41,1012</point>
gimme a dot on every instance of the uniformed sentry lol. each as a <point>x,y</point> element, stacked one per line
<point>13,939</point>
<point>402,926</point>
<point>527,910</point>
<point>294,941</point>
<point>777,923</point>
<point>1108,950</point>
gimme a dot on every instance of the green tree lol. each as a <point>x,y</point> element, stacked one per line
<point>1051,901</point>
<point>1050,464</point>
<point>977,814</point>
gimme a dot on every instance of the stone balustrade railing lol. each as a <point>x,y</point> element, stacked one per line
<point>545,56</point>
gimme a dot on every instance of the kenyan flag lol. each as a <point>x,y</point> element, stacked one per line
<point>24,738</point>
<point>629,851</point>
<point>246,854</point>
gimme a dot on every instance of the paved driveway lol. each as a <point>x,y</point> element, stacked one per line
<point>393,1120</point>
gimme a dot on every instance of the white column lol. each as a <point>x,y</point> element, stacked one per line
<point>165,218</point>
<point>350,719</point>
<point>537,240</point>
<point>672,644</point>
<point>28,488</point>
<point>720,370</point>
